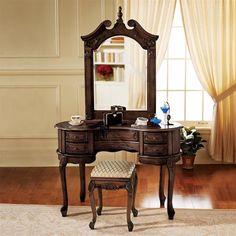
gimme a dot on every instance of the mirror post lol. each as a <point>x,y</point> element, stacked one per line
<point>151,83</point>
<point>89,85</point>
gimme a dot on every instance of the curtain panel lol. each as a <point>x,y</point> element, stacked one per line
<point>156,17</point>
<point>210,28</point>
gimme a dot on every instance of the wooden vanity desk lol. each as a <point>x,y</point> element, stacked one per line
<point>156,145</point>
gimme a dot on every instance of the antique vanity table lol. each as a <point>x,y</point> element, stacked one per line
<point>156,145</point>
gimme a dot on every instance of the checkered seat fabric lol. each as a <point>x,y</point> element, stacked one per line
<point>113,169</point>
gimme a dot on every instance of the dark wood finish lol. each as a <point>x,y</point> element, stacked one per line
<point>157,145</point>
<point>130,184</point>
<point>146,40</point>
<point>62,168</point>
<point>162,196</point>
<point>206,186</point>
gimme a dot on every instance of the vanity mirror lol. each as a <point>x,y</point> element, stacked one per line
<point>113,59</point>
<point>118,61</point>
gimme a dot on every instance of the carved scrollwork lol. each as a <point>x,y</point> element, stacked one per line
<point>120,14</point>
<point>106,23</point>
<point>149,43</point>
<point>91,43</point>
<point>129,188</point>
<point>63,161</point>
<point>105,31</point>
<point>170,163</point>
<point>150,53</point>
<point>109,186</point>
<point>132,23</point>
<point>87,54</point>
<point>135,135</point>
<point>91,186</point>
<point>94,39</point>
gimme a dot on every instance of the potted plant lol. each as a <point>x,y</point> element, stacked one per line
<point>190,142</point>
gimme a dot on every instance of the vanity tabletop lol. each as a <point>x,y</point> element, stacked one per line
<point>127,125</point>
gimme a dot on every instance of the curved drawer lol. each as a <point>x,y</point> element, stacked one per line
<point>74,136</point>
<point>117,135</point>
<point>155,150</point>
<point>154,137</point>
<point>76,148</point>
<point>114,146</point>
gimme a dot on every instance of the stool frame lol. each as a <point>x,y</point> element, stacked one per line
<point>113,183</point>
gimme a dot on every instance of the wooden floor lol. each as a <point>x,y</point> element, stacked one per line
<point>206,186</point>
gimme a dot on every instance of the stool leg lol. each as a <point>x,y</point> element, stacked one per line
<point>135,181</point>
<point>99,209</point>
<point>129,189</point>
<point>92,203</point>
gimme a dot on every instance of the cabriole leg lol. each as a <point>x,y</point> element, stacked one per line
<point>135,182</point>
<point>92,203</point>
<point>129,189</point>
<point>162,196</point>
<point>171,169</point>
<point>99,209</point>
<point>62,169</point>
<point>82,181</point>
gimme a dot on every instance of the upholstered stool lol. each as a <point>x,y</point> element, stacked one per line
<point>113,175</point>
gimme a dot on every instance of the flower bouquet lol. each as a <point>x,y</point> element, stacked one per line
<point>104,72</point>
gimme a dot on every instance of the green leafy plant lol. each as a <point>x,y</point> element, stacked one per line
<point>190,141</point>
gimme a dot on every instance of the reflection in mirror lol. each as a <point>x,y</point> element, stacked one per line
<point>120,74</point>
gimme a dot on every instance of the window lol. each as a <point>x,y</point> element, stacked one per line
<point>177,81</point>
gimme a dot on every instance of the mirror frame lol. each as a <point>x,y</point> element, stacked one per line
<point>146,40</point>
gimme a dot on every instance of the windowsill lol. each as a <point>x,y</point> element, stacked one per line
<point>203,127</point>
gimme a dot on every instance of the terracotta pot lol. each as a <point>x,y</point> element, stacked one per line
<point>187,162</point>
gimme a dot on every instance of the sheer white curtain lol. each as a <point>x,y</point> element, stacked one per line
<point>210,28</point>
<point>156,17</point>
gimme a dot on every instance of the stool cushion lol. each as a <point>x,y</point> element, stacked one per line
<point>113,169</point>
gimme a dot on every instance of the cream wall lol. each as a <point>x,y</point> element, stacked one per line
<point>41,73</point>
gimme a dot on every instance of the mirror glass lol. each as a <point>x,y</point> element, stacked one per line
<point>120,74</point>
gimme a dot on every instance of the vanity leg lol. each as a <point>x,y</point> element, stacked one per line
<point>171,170</point>
<point>82,181</point>
<point>162,196</point>
<point>135,182</point>
<point>129,189</point>
<point>62,168</point>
